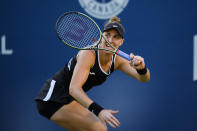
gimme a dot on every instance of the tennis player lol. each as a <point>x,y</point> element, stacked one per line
<point>63,99</point>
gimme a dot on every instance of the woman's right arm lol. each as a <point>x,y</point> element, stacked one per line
<point>85,60</point>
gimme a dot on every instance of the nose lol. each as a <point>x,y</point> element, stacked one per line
<point>110,39</point>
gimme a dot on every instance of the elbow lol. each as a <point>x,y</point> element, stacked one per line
<point>145,79</point>
<point>72,91</point>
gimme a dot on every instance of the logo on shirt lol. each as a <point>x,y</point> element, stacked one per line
<point>69,64</point>
<point>92,73</point>
<point>103,9</point>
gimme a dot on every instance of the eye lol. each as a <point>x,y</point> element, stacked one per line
<point>117,36</point>
<point>107,35</point>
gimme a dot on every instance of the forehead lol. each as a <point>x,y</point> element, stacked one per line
<point>112,31</point>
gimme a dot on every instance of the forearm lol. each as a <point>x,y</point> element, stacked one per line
<point>144,77</point>
<point>80,96</point>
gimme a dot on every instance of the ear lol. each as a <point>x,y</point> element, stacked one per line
<point>122,41</point>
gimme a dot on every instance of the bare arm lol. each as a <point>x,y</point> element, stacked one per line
<point>131,67</point>
<point>81,72</point>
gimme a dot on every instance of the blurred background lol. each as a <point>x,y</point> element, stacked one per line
<point>164,32</point>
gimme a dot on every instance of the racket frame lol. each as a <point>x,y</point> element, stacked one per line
<point>95,45</point>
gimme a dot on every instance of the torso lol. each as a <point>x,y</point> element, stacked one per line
<point>105,66</point>
<point>98,75</point>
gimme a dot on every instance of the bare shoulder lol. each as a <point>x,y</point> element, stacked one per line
<point>86,57</point>
<point>119,62</point>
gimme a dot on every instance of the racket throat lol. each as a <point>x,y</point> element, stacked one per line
<point>116,51</point>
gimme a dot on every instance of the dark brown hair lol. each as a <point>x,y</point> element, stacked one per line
<point>113,19</point>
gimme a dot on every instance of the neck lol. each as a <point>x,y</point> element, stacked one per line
<point>105,57</point>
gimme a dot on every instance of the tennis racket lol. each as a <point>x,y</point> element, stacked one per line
<point>79,31</point>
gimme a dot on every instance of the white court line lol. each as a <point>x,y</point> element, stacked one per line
<point>195,58</point>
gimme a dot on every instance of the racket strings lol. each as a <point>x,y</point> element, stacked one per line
<point>77,30</point>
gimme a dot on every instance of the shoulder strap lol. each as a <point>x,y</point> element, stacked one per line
<point>96,57</point>
<point>112,66</point>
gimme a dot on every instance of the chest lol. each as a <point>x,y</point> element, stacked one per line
<point>96,77</point>
<point>105,67</point>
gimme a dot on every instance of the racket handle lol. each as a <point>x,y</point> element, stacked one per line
<point>124,55</point>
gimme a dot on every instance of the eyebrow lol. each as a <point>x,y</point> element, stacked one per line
<point>114,35</point>
<point>110,33</point>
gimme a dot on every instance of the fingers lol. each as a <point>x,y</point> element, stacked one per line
<point>133,61</point>
<point>114,112</point>
<point>132,56</point>
<point>137,61</point>
<point>113,122</point>
<point>106,115</point>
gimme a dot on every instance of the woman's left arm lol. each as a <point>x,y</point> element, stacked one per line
<point>135,68</point>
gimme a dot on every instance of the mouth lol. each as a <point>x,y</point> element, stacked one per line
<point>107,45</point>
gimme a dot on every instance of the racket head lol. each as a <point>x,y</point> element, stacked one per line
<point>78,31</point>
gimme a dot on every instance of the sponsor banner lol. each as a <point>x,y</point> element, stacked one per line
<point>103,9</point>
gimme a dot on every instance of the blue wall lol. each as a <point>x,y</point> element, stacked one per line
<point>161,31</point>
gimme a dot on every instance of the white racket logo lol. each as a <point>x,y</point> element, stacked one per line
<point>102,9</point>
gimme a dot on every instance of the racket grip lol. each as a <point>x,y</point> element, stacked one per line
<point>124,55</point>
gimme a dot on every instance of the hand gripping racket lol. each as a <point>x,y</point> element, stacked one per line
<point>79,31</point>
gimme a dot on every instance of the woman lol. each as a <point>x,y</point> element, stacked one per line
<point>63,99</point>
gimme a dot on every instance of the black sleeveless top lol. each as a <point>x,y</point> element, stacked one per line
<point>59,90</point>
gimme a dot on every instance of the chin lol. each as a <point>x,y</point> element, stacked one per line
<point>108,52</point>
